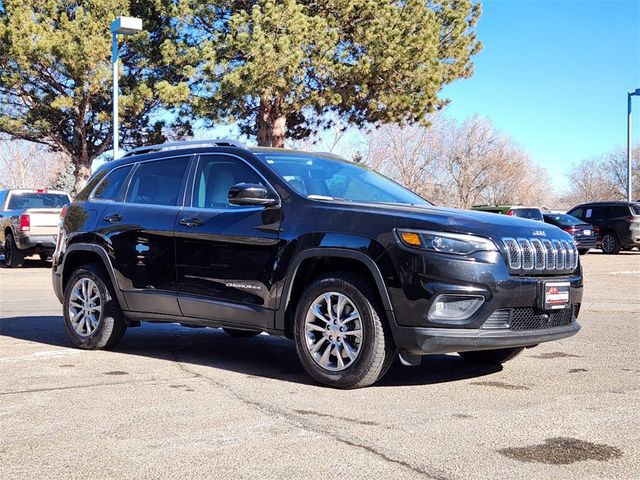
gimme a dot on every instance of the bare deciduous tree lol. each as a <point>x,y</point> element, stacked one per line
<point>603,178</point>
<point>458,164</point>
<point>27,165</point>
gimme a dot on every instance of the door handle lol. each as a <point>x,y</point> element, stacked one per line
<point>191,222</point>
<point>113,218</point>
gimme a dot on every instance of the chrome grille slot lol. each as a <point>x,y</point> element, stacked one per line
<point>560,256</point>
<point>551,254</point>
<point>540,256</point>
<point>513,250</point>
<point>527,253</point>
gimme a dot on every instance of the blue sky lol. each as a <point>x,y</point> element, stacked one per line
<point>554,76</point>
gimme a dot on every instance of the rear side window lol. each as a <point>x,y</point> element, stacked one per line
<point>635,209</point>
<point>24,200</point>
<point>157,182</point>
<point>532,213</point>
<point>111,187</point>
<point>620,212</point>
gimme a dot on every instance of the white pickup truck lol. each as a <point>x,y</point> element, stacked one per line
<point>29,222</point>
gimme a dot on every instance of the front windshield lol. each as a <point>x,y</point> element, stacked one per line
<point>323,178</point>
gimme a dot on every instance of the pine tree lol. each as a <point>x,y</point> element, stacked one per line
<point>279,67</point>
<point>55,74</point>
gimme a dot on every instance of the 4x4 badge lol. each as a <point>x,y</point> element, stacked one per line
<point>539,233</point>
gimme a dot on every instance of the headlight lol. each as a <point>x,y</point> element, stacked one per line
<point>452,243</point>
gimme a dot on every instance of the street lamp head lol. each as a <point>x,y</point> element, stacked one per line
<point>635,92</point>
<point>126,25</point>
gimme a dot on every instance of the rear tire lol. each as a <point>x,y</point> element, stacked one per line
<point>44,257</point>
<point>92,315</point>
<point>13,256</point>
<point>340,337</point>
<point>610,244</point>
<point>493,357</point>
<point>234,332</point>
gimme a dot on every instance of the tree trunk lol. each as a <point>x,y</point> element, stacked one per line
<point>271,122</point>
<point>82,172</point>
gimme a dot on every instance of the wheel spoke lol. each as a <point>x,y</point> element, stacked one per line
<point>349,351</point>
<point>319,315</point>
<point>355,315</point>
<point>316,346</point>
<point>342,300</point>
<point>316,328</point>
<point>355,333</point>
<point>327,299</point>
<point>76,317</point>
<point>339,357</point>
<point>324,360</point>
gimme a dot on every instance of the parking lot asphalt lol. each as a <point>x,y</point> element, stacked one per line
<point>173,402</point>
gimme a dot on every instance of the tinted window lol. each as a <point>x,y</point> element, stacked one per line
<point>158,182</point>
<point>562,219</point>
<point>326,178</point>
<point>578,212</point>
<point>619,212</point>
<point>22,201</point>
<point>215,176</point>
<point>111,186</point>
<point>532,213</point>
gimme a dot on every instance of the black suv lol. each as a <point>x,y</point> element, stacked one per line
<point>617,223</point>
<point>350,265</point>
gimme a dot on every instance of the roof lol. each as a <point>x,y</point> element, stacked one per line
<point>623,203</point>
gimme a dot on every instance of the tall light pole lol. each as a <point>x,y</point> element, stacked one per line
<point>122,26</point>
<point>629,146</point>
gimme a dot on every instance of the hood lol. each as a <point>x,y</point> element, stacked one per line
<point>486,224</point>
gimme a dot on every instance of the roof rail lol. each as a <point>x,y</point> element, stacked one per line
<point>217,142</point>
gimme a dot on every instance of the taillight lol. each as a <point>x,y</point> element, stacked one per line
<point>570,229</point>
<point>634,222</point>
<point>25,223</point>
<point>596,230</point>
<point>510,213</point>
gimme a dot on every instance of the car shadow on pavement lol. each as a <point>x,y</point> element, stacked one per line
<point>262,356</point>
<point>30,262</point>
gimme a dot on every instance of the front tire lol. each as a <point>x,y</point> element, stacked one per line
<point>340,337</point>
<point>92,316</point>
<point>492,357</point>
<point>610,244</point>
<point>13,256</point>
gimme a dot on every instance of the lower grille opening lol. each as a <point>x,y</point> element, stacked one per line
<point>520,319</point>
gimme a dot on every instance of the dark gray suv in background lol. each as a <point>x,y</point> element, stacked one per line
<point>617,223</point>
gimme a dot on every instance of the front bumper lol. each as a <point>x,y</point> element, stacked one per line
<point>422,341</point>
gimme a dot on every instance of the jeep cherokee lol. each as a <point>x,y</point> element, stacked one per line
<point>350,265</point>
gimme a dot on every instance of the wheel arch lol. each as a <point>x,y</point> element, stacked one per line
<point>83,253</point>
<point>313,262</point>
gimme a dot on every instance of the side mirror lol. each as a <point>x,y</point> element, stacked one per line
<point>250,194</point>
